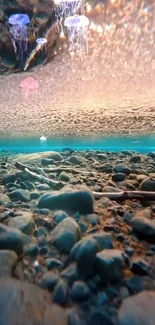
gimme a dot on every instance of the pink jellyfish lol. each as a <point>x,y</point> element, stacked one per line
<point>29,87</point>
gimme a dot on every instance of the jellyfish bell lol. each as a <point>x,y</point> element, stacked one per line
<point>19,29</point>
<point>29,88</point>
<point>77,28</point>
<point>41,41</point>
<point>43,141</point>
<point>65,8</point>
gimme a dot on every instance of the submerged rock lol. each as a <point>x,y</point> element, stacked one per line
<point>66,234</point>
<point>69,200</point>
<point>110,265</point>
<point>26,304</point>
<point>11,239</point>
<point>138,309</point>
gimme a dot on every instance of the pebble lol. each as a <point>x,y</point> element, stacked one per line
<point>66,234</point>
<point>79,291</point>
<point>8,260</point>
<point>11,239</point>
<point>49,280</point>
<point>84,253</point>
<point>110,265</point>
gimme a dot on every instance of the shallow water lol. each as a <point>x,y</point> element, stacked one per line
<point>139,143</point>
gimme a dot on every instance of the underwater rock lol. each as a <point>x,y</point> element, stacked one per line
<point>11,239</point>
<point>34,158</point>
<point>104,240</point>
<point>79,291</point>
<point>60,294</point>
<point>64,177</point>
<point>144,227</point>
<point>66,234</point>
<point>59,215</point>
<point>118,177</point>
<point>148,184</point>
<point>138,309</point>
<point>27,304</point>
<point>49,280</point>
<point>110,265</point>
<point>23,223</point>
<point>69,200</point>
<point>8,260</point>
<point>122,168</point>
<point>76,160</point>
<point>84,253</point>
<point>19,195</point>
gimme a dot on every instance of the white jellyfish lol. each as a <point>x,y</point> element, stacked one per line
<point>42,42</point>
<point>43,141</point>
<point>19,28</point>
<point>77,29</point>
<point>66,8</point>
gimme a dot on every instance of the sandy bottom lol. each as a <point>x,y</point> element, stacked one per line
<point>74,99</point>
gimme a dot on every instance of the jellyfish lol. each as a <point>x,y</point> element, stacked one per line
<point>29,88</point>
<point>43,140</point>
<point>41,42</point>
<point>19,28</point>
<point>65,8</point>
<point>77,28</point>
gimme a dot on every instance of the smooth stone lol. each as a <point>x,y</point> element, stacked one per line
<point>144,227</point>
<point>79,291</point>
<point>52,263</point>
<point>4,199</point>
<point>32,250</point>
<point>27,305</point>
<point>41,232</point>
<point>138,309</point>
<point>23,223</point>
<point>44,212</point>
<point>105,202</point>
<point>76,160</point>
<point>66,234</point>
<point>49,280</point>
<point>60,294</point>
<point>43,187</point>
<point>9,178</point>
<point>122,168</point>
<point>59,215</point>
<point>110,265</point>
<point>139,266</point>
<point>139,283</point>
<point>84,253</point>
<point>119,177</point>
<point>11,239</point>
<point>127,217</point>
<point>70,274</point>
<point>93,219</point>
<point>34,195</point>
<point>104,240</point>
<point>8,260</point>
<point>135,159</point>
<point>19,195</point>
<point>64,177</point>
<point>148,185</point>
<point>34,158</point>
<point>69,200</point>
<point>30,185</point>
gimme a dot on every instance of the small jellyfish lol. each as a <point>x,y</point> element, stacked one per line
<point>77,29</point>
<point>43,140</point>
<point>65,8</point>
<point>41,46</point>
<point>19,28</point>
<point>29,88</point>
